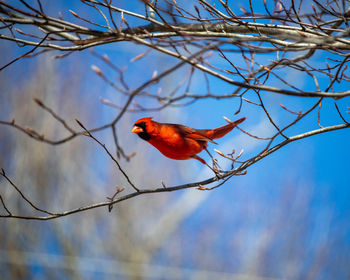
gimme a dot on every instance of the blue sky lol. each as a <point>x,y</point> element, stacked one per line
<point>301,190</point>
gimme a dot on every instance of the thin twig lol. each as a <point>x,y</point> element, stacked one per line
<point>110,155</point>
<point>2,173</point>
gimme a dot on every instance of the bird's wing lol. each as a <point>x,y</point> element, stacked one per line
<point>192,133</point>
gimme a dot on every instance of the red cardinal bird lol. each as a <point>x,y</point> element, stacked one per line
<point>177,141</point>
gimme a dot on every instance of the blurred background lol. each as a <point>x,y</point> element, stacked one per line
<point>288,218</point>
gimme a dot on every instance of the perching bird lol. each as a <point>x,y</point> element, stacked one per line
<point>177,141</point>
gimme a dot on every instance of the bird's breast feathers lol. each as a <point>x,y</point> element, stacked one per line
<point>171,142</point>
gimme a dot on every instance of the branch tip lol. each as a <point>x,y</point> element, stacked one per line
<point>38,101</point>
<point>80,124</point>
<point>227,119</point>
<point>96,70</point>
<point>220,153</point>
<point>73,13</point>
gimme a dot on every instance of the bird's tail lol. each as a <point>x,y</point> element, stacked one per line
<point>223,130</point>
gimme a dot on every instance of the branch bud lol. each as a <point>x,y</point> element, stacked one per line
<point>106,58</point>
<point>220,153</point>
<point>96,70</point>
<point>227,119</point>
<point>74,13</point>
<point>201,188</point>
<point>38,101</point>
<point>240,153</point>
<point>131,155</point>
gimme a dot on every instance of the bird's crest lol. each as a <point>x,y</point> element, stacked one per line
<point>144,120</point>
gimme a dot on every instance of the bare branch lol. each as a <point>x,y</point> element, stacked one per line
<point>110,155</point>
<point>239,170</point>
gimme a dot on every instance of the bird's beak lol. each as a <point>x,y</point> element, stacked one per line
<point>136,129</point>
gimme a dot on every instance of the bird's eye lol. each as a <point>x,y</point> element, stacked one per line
<point>144,134</point>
